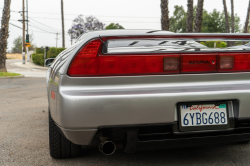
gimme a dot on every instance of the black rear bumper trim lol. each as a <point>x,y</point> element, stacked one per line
<point>192,141</point>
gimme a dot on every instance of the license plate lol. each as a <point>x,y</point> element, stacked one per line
<point>203,115</point>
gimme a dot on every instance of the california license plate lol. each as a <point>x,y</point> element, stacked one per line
<point>203,115</point>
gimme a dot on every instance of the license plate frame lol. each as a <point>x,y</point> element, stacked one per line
<point>205,127</point>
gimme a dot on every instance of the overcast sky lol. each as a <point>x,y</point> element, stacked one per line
<point>131,14</point>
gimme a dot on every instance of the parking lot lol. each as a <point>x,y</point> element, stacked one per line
<point>24,136</point>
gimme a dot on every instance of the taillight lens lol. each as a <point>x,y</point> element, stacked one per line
<point>193,63</point>
<point>171,64</point>
<point>86,61</point>
<point>226,62</point>
<point>91,62</point>
<point>234,62</point>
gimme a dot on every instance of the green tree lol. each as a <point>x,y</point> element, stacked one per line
<point>18,44</point>
<point>178,20</point>
<point>114,26</point>
<point>213,22</point>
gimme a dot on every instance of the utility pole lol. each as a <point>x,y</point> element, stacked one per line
<point>27,48</point>
<point>63,39</point>
<point>23,34</point>
<point>56,39</point>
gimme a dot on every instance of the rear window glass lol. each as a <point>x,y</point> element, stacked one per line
<point>156,45</point>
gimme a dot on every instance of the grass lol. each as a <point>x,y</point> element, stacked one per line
<point>7,74</point>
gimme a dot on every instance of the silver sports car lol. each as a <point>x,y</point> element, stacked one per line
<point>146,89</point>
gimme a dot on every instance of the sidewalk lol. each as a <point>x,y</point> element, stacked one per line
<point>29,65</point>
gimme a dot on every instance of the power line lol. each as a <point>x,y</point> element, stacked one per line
<point>11,10</point>
<point>42,29</point>
<point>44,24</point>
<point>89,15</point>
<point>15,25</point>
<point>102,20</point>
<point>41,32</point>
<point>96,15</point>
<point>34,31</point>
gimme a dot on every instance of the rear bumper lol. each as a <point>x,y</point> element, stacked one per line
<point>81,111</point>
<point>163,136</point>
<point>151,141</point>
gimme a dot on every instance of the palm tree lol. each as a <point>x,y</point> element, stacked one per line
<point>198,18</point>
<point>232,18</point>
<point>164,15</point>
<point>190,16</point>
<point>226,18</point>
<point>247,19</point>
<point>4,34</point>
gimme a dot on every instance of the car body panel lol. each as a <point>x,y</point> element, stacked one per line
<point>82,105</point>
<point>111,101</point>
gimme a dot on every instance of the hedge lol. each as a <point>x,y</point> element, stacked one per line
<point>38,59</point>
<point>53,52</point>
<point>39,51</point>
<point>210,44</point>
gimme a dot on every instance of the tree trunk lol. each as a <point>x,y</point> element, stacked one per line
<point>247,19</point>
<point>198,17</point>
<point>63,39</point>
<point>232,19</point>
<point>226,18</point>
<point>190,16</point>
<point>4,34</point>
<point>164,15</point>
<point>232,16</point>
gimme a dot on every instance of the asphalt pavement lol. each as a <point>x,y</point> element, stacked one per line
<point>24,136</point>
<point>28,69</point>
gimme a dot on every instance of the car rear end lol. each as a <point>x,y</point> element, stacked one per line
<point>150,90</point>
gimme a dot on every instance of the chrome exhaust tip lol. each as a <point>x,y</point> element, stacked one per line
<point>107,147</point>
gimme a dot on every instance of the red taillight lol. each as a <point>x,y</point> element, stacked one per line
<point>226,62</point>
<point>86,61</point>
<point>91,62</point>
<point>193,63</point>
<point>234,62</point>
<point>171,64</point>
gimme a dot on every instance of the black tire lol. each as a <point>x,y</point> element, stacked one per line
<point>61,147</point>
<point>243,142</point>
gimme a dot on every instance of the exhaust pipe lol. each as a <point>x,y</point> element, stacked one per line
<point>107,147</point>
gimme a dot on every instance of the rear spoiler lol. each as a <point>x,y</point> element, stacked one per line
<point>183,36</point>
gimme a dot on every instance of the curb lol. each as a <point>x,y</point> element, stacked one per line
<point>21,76</point>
